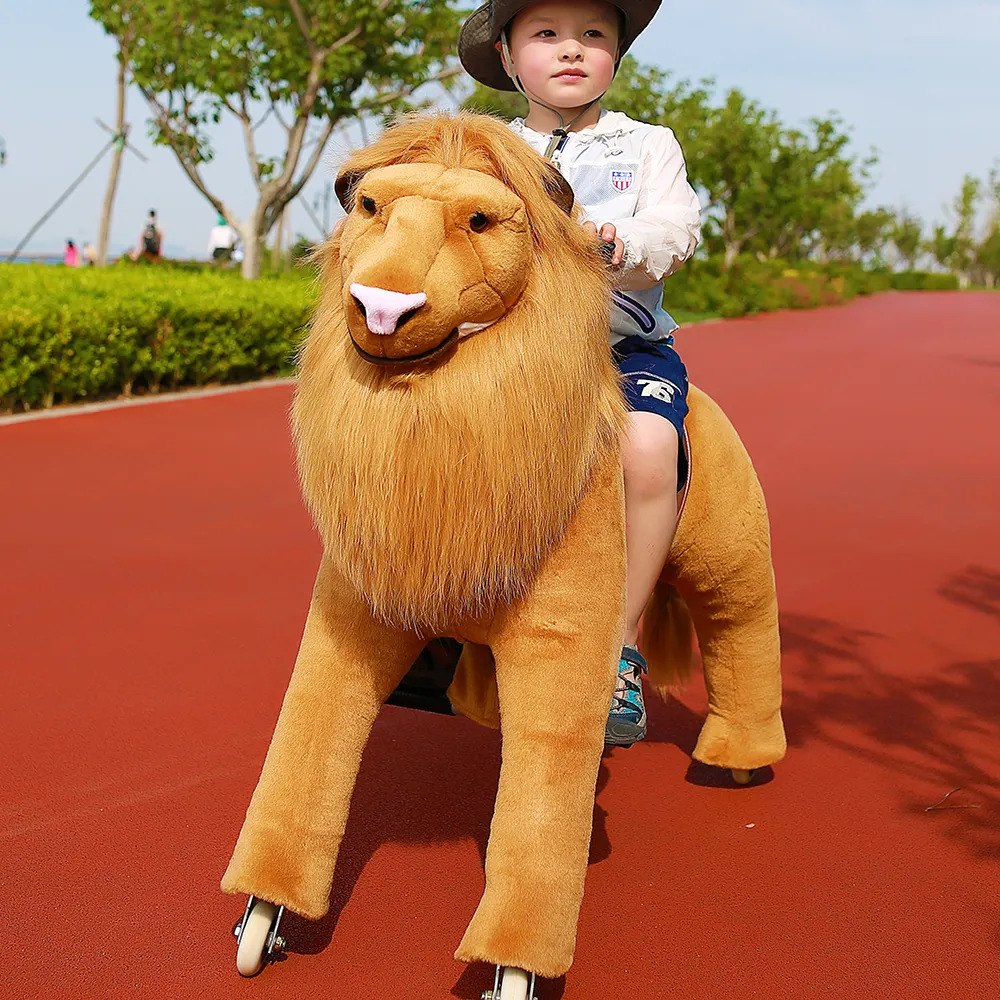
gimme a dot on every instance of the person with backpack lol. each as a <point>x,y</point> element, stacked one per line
<point>148,246</point>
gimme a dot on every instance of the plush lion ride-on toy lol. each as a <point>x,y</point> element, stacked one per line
<point>457,422</point>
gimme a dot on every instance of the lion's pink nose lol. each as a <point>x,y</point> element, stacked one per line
<point>382,308</point>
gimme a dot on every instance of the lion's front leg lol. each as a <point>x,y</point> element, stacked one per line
<point>347,666</point>
<point>556,655</point>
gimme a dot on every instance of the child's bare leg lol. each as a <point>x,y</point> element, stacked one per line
<point>649,461</point>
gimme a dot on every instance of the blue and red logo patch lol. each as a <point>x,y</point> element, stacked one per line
<point>621,179</point>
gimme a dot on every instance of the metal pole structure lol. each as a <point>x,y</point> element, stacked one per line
<point>41,222</point>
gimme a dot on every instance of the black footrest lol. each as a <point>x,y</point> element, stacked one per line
<point>426,684</point>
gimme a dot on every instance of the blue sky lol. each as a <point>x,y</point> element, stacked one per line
<point>918,79</point>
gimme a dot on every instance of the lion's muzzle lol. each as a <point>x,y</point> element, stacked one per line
<point>383,309</point>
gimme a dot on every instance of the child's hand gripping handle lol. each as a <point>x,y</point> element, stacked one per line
<point>610,247</point>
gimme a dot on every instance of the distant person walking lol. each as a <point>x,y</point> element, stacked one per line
<point>150,239</point>
<point>71,256</point>
<point>222,241</point>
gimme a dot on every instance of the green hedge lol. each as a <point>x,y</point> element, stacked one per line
<point>68,334</point>
<point>71,334</point>
<point>753,286</point>
<point>923,281</point>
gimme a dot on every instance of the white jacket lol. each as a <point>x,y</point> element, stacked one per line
<point>633,175</point>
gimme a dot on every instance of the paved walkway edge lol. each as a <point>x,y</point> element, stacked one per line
<point>77,409</point>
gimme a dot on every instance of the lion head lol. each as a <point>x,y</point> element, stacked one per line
<point>456,388</point>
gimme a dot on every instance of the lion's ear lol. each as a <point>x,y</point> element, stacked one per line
<point>344,186</point>
<point>557,188</point>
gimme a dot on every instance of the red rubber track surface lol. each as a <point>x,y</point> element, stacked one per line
<point>156,568</point>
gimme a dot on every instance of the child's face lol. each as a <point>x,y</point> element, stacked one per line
<point>565,52</point>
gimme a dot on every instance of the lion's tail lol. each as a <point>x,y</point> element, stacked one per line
<point>667,639</point>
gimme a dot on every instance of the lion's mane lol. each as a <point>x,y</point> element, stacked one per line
<point>438,492</point>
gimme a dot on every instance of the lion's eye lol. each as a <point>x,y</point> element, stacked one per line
<point>368,204</point>
<point>479,222</point>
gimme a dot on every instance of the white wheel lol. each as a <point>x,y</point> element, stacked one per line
<point>253,940</point>
<point>514,984</point>
<point>742,777</point>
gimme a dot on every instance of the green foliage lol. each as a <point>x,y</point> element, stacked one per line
<point>342,57</point>
<point>986,265</point>
<point>942,246</point>
<point>507,105</point>
<point>970,250</point>
<point>69,334</point>
<point>988,259</point>
<point>313,64</point>
<point>747,284</point>
<point>873,232</point>
<point>923,281</point>
<point>777,191</point>
<point>965,206</point>
<point>907,235</point>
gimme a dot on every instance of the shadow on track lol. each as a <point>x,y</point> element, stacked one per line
<point>940,729</point>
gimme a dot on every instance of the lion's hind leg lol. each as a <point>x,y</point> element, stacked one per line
<point>721,562</point>
<point>741,657</point>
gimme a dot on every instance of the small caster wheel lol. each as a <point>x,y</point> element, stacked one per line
<point>742,777</point>
<point>257,935</point>
<point>512,984</point>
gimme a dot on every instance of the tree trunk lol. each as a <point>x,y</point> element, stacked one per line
<point>116,163</point>
<point>729,239</point>
<point>251,252</point>
<point>278,234</point>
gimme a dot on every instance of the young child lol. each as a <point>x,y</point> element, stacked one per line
<point>631,181</point>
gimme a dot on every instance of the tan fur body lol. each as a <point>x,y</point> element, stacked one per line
<point>471,486</point>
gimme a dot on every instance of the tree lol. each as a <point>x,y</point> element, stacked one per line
<point>942,247</point>
<point>775,191</point>
<point>818,186</point>
<point>732,164</point>
<point>873,233</point>
<point>118,21</point>
<point>964,237</point>
<point>907,235</point>
<point>988,258</point>
<point>987,255</point>
<point>306,63</point>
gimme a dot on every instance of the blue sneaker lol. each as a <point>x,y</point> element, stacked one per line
<point>627,719</point>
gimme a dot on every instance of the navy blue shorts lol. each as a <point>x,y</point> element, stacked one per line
<point>655,382</point>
